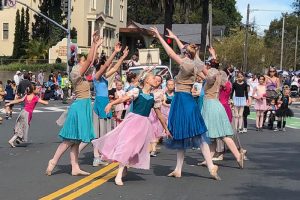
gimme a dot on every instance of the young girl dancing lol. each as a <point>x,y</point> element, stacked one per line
<point>157,128</point>
<point>185,121</point>
<point>119,108</point>
<point>128,145</point>
<point>78,126</point>
<point>23,121</point>
<point>284,111</point>
<point>240,99</point>
<point>259,94</point>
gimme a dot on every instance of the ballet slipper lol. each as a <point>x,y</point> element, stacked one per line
<point>11,144</point>
<point>51,166</point>
<point>240,162</point>
<point>80,173</point>
<point>214,173</point>
<point>174,174</point>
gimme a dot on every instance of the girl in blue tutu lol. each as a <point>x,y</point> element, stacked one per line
<point>78,126</point>
<point>185,122</point>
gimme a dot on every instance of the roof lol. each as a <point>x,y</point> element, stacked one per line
<point>189,33</point>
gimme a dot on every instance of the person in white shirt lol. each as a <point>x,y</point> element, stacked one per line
<point>17,77</point>
<point>252,82</point>
<point>41,78</point>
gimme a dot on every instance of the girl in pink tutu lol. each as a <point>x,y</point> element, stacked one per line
<point>259,94</point>
<point>157,127</point>
<point>169,94</point>
<point>128,143</point>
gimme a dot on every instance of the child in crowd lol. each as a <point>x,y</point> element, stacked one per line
<point>240,99</point>
<point>119,108</point>
<point>9,96</point>
<point>271,113</point>
<point>284,111</point>
<point>246,113</point>
<point>259,94</point>
<point>23,121</point>
<point>58,93</point>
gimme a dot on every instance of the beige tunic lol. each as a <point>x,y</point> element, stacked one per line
<point>187,74</point>
<point>81,87</point>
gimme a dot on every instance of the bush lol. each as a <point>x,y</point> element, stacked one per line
<point>34,67</point>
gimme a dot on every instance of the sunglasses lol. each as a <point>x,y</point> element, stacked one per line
<point>272,71</point>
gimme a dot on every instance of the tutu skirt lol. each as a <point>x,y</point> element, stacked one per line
<point>239,101</point>
<point>99,106</point>
<point>216,119</point>
<point>128,143</point>
<point>156,125</point>
<point>78,126</point>
<point>185,122</point>
<point>261,104</point>
<point>165,110</point>
<point>284,112</point>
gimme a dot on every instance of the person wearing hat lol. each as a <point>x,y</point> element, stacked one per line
<point>17,77</point>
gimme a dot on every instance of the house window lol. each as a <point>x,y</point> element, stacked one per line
<point>89,33</point>
<point>121,10</point>
<point>109,8</point>
<point>5,31</point>
<point>108,37</point>
<point>93,4</point>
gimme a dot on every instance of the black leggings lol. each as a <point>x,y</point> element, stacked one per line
<point>279,123</point>
<point>245,121</point>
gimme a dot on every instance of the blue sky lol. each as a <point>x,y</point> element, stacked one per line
<point>263,18</point>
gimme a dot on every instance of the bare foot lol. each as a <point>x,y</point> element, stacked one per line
<point>119,182</point>
<point>11,144</point>
<point>50,168</point>
<point>175,174</point>
<point>80,173</point>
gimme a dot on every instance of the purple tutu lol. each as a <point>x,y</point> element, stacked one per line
<point>158,130</point>
<point>128,143</point>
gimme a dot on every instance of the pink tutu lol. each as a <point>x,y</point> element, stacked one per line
<point>165,110</point>
<point>128,143</point>
<point>261,104</point>
<point>158,130</point>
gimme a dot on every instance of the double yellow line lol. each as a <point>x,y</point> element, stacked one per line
<point>112,173</point>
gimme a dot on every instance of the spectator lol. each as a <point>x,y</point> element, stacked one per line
<point>23,85</point>
<point>17,77</point>
<point>41,78</point>
<point>9,96</point>
<point>65,85</point>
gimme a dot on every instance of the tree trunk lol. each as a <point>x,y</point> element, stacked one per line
<point>204,25</point>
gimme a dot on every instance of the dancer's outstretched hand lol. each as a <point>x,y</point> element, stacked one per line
<point>171,34</point>
<point>108,108</point>
<point>155,31</point>
<point>168,134</point>
<point>125,52</point>
<point>96,37</point>
<point>118,47</point>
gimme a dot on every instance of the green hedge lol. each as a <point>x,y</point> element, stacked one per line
<point>33,67</point>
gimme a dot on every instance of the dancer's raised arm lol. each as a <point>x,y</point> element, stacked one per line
<point>167,48</point>
<point>115,68</point>
<point>174,37</point>
<point>97,41</point>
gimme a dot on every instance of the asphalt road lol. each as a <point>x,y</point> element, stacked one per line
<point>271,173</point>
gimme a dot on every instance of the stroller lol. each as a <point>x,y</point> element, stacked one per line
<point>270,95</point>
<point>294,91</point>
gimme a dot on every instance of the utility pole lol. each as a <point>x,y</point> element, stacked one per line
<point>210,23</point>
<point>69,37</point>
<point>282,40</point>
<point>246,40</point>
<point>296,49</point>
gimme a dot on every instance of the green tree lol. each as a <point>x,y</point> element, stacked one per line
<point>230,51</point>
<point>273,40</point>
<point>17,37</point>
<point>22,33</point>
<point>27,21</point>
<point>37,50</point>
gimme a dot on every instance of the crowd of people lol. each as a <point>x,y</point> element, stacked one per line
<point>204,108</point>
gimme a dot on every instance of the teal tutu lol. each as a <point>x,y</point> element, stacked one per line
<point>99,106</point>
<point>216,119</point>
<point>78,126</point>
<point>200,102</point>
<point>185,122</point>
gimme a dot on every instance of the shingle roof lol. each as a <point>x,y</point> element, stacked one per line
<point>190,33</point>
